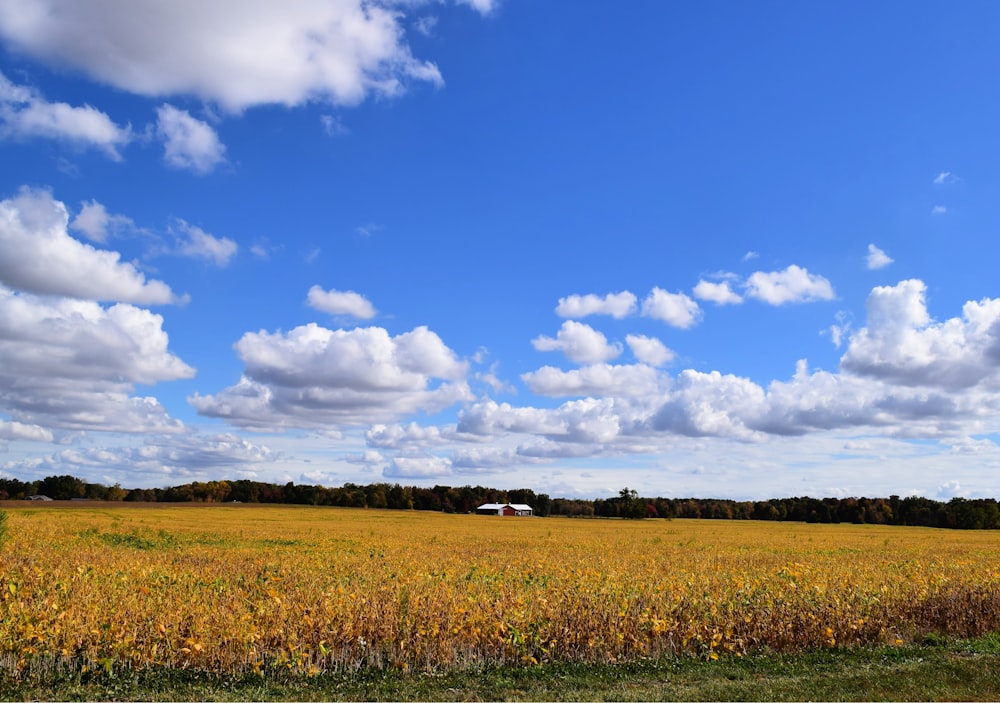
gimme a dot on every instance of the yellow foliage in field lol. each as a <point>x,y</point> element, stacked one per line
<point>313,589</point>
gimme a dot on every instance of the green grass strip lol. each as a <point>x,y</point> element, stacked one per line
<point>935,670</point>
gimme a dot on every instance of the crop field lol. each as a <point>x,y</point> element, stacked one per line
<point>253,588</point>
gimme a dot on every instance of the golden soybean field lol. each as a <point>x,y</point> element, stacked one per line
<point>254,588</point>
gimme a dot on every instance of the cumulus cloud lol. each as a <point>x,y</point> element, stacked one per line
<point>37,255</point>
<point>96,223</point>
<point>949,490</point>
<point>227,52</point>
<point>945,177</point>
<point>580,343</point>
<point>617,305</point>
<point>418,467</point>
<point>72,364</point>
<point>196,243</point>
<point>190,456</point>
<point>877,258</point>
<point>676,309</point>
<point>486,459</point>
<point>649,350</point>
<point>317,377</point>
<point>338,302</point>
<point>395,436</point>
<point>19,430</point>
<point>902,375</point>
<point>595,380</point>
<point>793,285</point>
<point>719,293</point>
<point>491,379</point>
<point>188,143</point>
<point>709,405</point>
<point>586,420</point>
<point>24,114</point>
<point>902,344</point>
<point>200,452</point>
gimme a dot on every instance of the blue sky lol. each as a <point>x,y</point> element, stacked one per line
<point>715,249</point>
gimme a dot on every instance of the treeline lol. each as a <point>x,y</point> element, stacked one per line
<point>957,513</point>
<point>377,495</point>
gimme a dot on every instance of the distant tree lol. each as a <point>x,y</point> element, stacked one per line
<point>62,487</point>
<point>630,505</point>
<point>116,493</point>
<point>95,491</point>
<point>542,504</point>
<point>400,498</point>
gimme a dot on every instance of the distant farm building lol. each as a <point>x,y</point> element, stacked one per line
<point>38,497</point>
<point>512,509</point>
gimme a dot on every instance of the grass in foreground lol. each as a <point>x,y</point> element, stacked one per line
<point>933,670</point>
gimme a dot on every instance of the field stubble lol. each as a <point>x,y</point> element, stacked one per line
<point>311,590</point>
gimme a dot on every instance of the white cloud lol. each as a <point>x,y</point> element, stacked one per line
<point>719,293</point>
<point>196,243</point>
<point>939,210</point>
<point>396,436</point>
<point>974,447</point>
<point>24,115</point>
<point>187,456</point>
<point>841,328</point>
<point>618,305</point>
<point>583,421</point>
<point>338,302</point>
<point>199,244</point>
<point>750,256</point>
<point>369,229</point>
<point>709,405</point>
<point>902,344</point>
<point>486,459</point>
<point>580,343</point>
<point>232,53</point>
<point>676,309</point>
<point>315,377</point>
<point>945,177</point>
<point>793,285</point>
<point>332,126</point>
<point>901,375</point>
<point>425,25</point>
<point>491,379</point>
<point>37,255</point>
<point>594,380</point>
<point>483,6</point>
<point>949,490</point>
<point>96,223</point>
<point>418,467</point>
<point>188,143</point>
<point>19,430</point>
<point>72,364</point>
<point>649,350</point>
<point>877,258</point>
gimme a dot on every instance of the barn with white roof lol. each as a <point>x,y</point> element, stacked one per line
<point>510,509</point>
